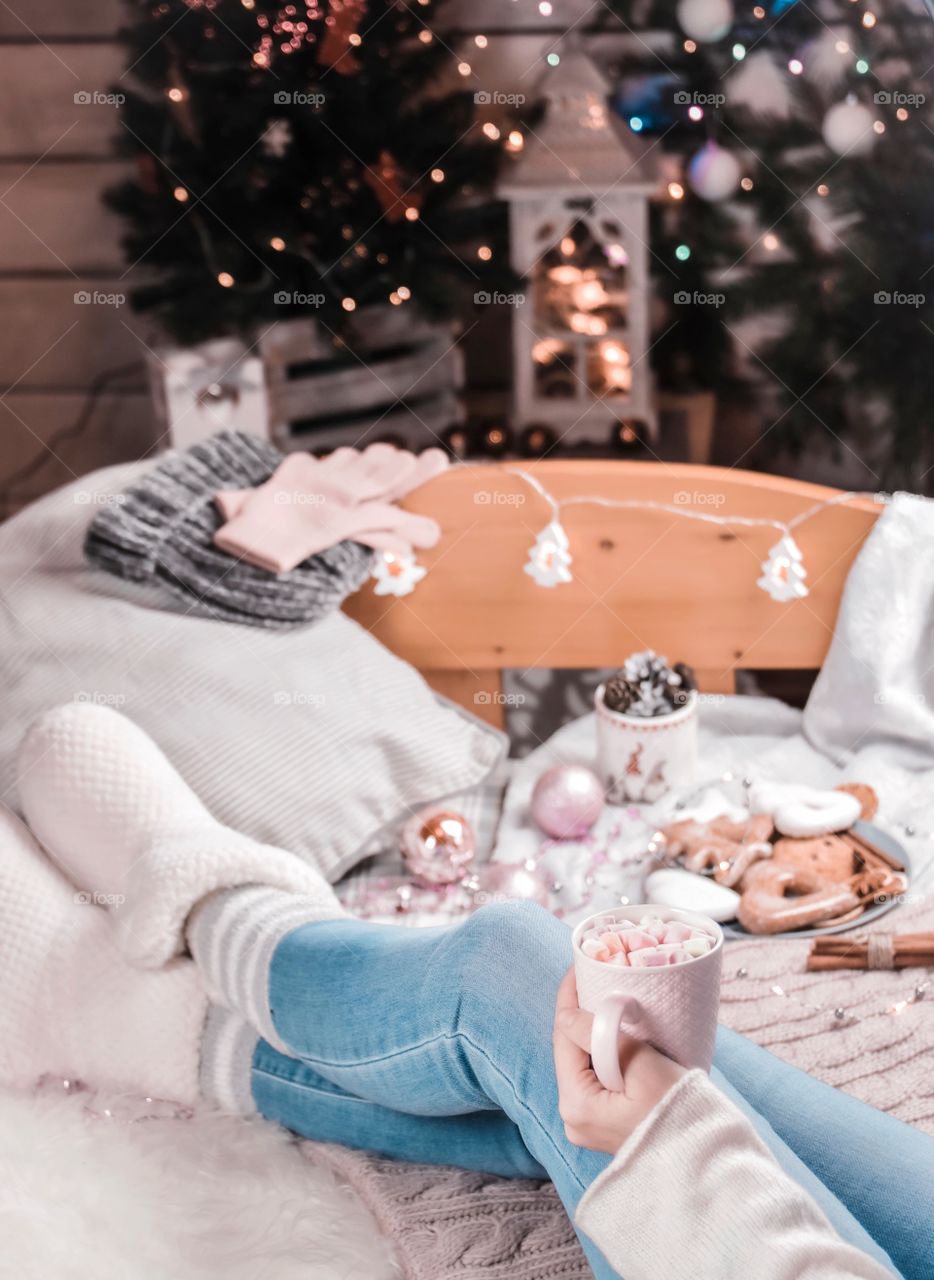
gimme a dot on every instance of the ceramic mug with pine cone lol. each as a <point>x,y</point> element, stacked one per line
<point>646,730</point>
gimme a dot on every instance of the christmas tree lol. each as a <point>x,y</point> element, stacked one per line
<point>314,157</point>
<point>795,239</point>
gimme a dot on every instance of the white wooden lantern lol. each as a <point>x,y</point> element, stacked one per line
<point>578,197</point>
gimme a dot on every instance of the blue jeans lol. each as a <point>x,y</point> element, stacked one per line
<point>434,1045</point>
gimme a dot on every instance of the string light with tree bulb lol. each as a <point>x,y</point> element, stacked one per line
<point>396,575</point>
<point>550,559</point>
<point>782,573</point>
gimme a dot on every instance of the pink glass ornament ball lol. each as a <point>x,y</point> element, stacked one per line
<point>567,800</point>
<point>507,882</point>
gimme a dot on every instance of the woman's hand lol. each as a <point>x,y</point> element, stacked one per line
<point>593,1116</point>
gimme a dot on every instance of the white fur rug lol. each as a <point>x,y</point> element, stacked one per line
<point>84,1196</point>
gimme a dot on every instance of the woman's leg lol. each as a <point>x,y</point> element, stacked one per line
<point>452,1021</point>
<point>293,1094</point>
<point>881,1169</point>
<point>439,1022</point>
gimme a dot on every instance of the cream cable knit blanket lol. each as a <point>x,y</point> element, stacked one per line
<point>882,1058</point>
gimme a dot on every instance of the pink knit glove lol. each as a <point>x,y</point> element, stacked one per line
<point>309,504</point>
<point>425,466</point>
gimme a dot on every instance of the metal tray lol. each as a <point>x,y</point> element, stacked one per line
<point>886,842</point>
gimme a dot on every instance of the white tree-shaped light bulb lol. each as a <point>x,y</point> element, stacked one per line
<point>550,558</point>
<point>783,572</point>
<point>396,575</point>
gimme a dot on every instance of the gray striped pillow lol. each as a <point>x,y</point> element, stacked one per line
<point>313,740</point>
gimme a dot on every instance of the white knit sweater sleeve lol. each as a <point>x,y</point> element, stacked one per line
<point>694,1192</point>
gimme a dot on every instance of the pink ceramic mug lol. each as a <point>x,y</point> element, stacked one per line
<point>673,1007</point>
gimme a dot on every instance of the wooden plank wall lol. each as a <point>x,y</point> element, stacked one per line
<point>57,241</point>
<point>57,246</point>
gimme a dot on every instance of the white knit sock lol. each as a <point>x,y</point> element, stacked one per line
<point>122,824</point>
<point>227,1049</point>
<point>232,935</point>
<point>70,1004</point>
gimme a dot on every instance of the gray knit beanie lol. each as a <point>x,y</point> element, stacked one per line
<point>162,531</point>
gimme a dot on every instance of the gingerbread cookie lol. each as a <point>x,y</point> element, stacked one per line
<point>778,897</point>
<point>721,844</point>
<point>868,800</point>
<point>829,859</point>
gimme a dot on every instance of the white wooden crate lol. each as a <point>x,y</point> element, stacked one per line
<point>395,376</point>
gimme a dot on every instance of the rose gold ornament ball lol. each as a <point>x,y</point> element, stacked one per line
<point>438,845</point>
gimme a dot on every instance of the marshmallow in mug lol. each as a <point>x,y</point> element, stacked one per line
<point>652,943</point>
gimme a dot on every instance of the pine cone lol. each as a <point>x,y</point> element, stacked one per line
<point>680,692</point>
<point>688,678</point>
<point>647,686</point>
<point>617,693</point>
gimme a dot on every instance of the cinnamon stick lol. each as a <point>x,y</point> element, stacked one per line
<point>870,852</point>
<point>908,950</point>
<point>828,963</point>
<point>903,941</point>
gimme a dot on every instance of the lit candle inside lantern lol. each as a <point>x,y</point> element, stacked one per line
<point>565,274</point>
<point>593,326</point>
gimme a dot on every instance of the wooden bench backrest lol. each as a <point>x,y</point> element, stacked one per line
<point>642,578</point>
